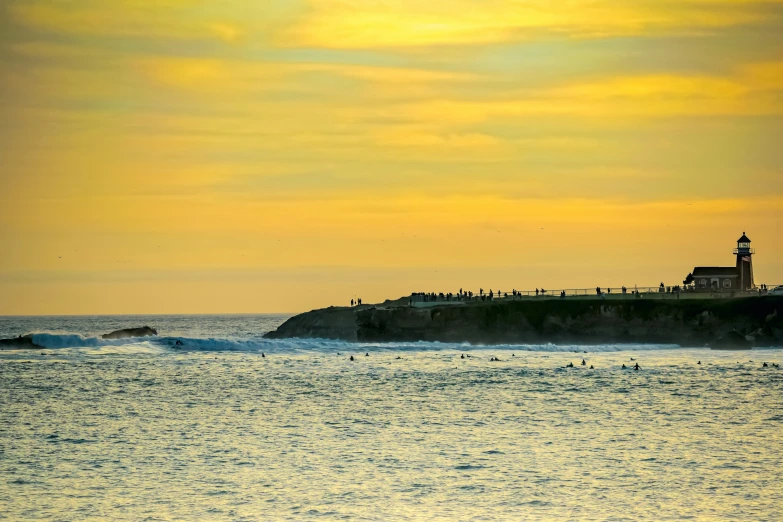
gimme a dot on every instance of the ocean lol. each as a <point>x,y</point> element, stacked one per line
<point>226,425</point>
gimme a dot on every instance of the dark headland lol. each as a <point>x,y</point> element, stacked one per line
<point>737,322</point>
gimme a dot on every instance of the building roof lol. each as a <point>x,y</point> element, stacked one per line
<point>715,271</point>
<point>743,239</point>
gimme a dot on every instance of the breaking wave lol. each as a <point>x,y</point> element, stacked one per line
<point>258,344</point>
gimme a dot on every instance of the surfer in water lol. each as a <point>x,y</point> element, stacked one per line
<point>637,367</point>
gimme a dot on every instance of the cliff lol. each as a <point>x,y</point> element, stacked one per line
<point>687,322</point>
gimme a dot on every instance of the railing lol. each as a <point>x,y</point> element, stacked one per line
<point>658,292</point>
<point>745,250</point>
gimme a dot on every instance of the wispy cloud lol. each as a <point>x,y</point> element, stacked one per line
<point>265,134</point>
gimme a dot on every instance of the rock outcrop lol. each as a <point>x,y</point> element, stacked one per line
<point>687,322</point>
<point>23,341</point>
<point>732,341</point>
<point>144,331</point>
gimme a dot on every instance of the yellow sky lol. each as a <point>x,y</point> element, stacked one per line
<point>183,157</point>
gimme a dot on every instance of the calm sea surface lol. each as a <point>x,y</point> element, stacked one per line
<point>211,430</point>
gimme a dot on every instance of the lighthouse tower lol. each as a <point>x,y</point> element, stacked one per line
<point>745,262</point>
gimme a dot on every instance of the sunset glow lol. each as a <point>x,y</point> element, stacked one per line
<point>185,157</point>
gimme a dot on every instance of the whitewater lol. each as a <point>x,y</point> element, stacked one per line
<point>209,421</point>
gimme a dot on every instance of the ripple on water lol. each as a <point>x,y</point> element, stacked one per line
<point>245,438</point>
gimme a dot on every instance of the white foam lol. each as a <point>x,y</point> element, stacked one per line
<point>55,341</point>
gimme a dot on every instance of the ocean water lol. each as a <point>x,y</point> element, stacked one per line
<point>144,429</point>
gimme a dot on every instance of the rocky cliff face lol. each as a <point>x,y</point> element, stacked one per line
<point>328,323</point>
<point>687,322</point>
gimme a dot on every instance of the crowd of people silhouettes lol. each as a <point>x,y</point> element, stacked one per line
<point>491,295</point>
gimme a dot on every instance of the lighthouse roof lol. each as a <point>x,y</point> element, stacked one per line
<point>743,239</point>
<point>715,271</point>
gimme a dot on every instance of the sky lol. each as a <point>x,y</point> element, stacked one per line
<point>180,156</point>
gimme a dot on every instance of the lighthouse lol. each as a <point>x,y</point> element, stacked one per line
<point>719,279</point>
<point>745,262</point>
